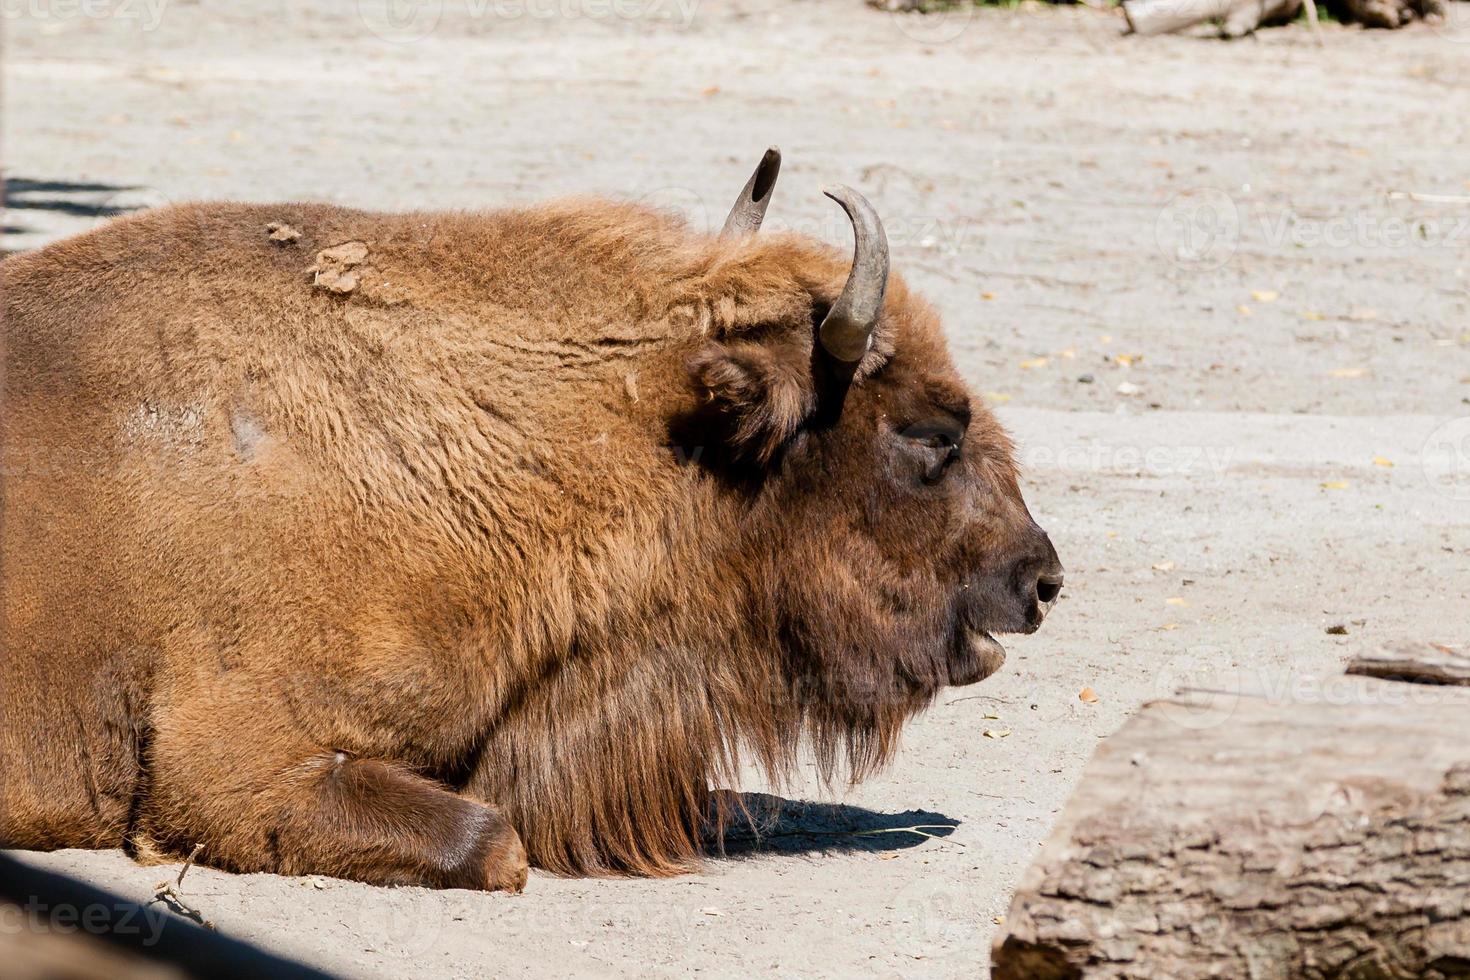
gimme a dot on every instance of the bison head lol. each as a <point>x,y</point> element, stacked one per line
<point>883,495</point>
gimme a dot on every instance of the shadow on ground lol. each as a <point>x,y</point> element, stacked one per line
<point>83,199</point>
<point>760,823</point>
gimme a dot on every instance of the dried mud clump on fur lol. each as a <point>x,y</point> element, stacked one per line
<point>282,233</point>
<point>339,269</point>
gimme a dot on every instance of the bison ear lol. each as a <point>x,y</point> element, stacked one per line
<point>763,391</point>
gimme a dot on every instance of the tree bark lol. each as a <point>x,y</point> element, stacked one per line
<point>1428,663</point>
<point>1237,17</point>
<point>1231,835</point>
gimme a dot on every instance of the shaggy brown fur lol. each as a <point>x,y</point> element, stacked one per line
<point>376,545</point>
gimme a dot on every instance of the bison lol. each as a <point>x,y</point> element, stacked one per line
<point>409,548</point>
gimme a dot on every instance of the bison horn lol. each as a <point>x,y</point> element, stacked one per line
<point>846,332</point>
<point>745,217</point>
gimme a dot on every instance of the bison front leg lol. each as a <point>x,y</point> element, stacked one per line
<point>375,821</point>
<point>326,812</point>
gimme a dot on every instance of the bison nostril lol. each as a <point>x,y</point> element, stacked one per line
<point>1048,588</point>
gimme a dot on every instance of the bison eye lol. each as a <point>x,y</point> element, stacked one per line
<point>939,442</point>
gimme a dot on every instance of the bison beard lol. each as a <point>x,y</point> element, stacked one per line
<point>607,764</point>
<point>382,545</point>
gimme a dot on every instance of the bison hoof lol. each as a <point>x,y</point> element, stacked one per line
<point>499,858</point>
<point>505,866</point>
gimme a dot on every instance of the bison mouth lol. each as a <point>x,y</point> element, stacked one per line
<point>974,656</point>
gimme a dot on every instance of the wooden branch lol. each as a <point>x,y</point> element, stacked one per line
<point>172,896</point>
<point>1148,17</point>
<point>1237,17</point>
<point>1222,835</point>
<point>1428,663</point>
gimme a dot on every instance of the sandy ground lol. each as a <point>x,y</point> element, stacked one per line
<point>1237,365</point>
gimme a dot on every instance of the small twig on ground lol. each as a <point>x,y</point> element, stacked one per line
<point>170,895</point>
<point>1001,796</point>
<point>979,697</point>
<point>1428,198</point>
<point>919,830</point>
<point>1316,25</point>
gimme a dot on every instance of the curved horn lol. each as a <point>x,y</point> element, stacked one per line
<point>846,332</point>
<point>745,217</point>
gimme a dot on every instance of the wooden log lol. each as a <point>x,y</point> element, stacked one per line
<point>1236,17</point>
<point>1236,835</point>
<point>1389,14</point>
<point>1421,663</point>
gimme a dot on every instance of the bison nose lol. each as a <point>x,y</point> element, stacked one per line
<point>1048,587</point>
<point>1041,585</point>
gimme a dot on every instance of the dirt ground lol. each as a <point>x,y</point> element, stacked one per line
<point>1236,358</point>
